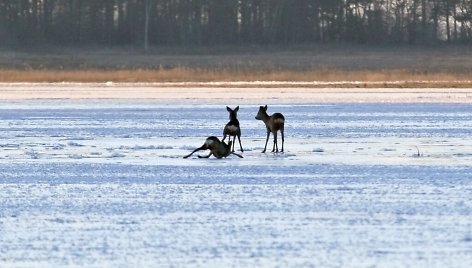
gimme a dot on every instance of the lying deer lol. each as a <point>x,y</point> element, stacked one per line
<point>273,124</point>
<point>232,129</point>
<point>217,148</point>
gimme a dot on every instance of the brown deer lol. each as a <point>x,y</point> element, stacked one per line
<point>232,129</point>
<point>217,148</point>
<point>273,124</point>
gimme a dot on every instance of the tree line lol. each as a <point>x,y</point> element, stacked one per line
<point>233,22</point>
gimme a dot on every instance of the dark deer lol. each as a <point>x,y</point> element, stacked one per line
<point>232,129</point>
<point>273,124</point>
<point>217,148</point>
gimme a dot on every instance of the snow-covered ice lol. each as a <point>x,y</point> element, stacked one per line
<point>102,183</point>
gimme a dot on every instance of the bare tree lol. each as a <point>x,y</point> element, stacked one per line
<point>147,15</point>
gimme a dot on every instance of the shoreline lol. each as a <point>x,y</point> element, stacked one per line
<point>230,92</point>
<point>257,84</point>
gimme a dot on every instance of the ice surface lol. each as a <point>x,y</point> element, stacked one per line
<point>360,185</point>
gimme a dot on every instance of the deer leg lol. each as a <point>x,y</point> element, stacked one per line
<point>274,147</point>
<point>238,155</point>
<point>234,141</point>
<point>229,139</point>
<point>203,147</point>
<point>282,132</point>
<point>267,139</point>
<point>224,137</point>
<point>239,138</point>
<point>205,156</point>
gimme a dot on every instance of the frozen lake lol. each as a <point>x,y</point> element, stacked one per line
<point>102,183</point>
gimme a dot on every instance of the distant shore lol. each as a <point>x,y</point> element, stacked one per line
<point>310,66</point>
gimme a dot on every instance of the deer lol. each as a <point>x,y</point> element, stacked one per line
<point>217,148</point>
<point>232,128</point>
<point>273,124</point>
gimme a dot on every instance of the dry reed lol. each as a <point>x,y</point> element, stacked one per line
<point>442,66</point>
<point>181,74</point>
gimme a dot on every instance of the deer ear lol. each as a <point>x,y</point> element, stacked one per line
<point>236,109</point>
<point>228,109</point>
<point>265,108</point>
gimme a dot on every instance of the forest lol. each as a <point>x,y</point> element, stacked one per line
<point>233,22</point>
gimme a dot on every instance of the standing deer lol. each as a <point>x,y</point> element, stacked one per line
<point>217,148</point>
<point>273,124</point>
<point>232,129</point>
